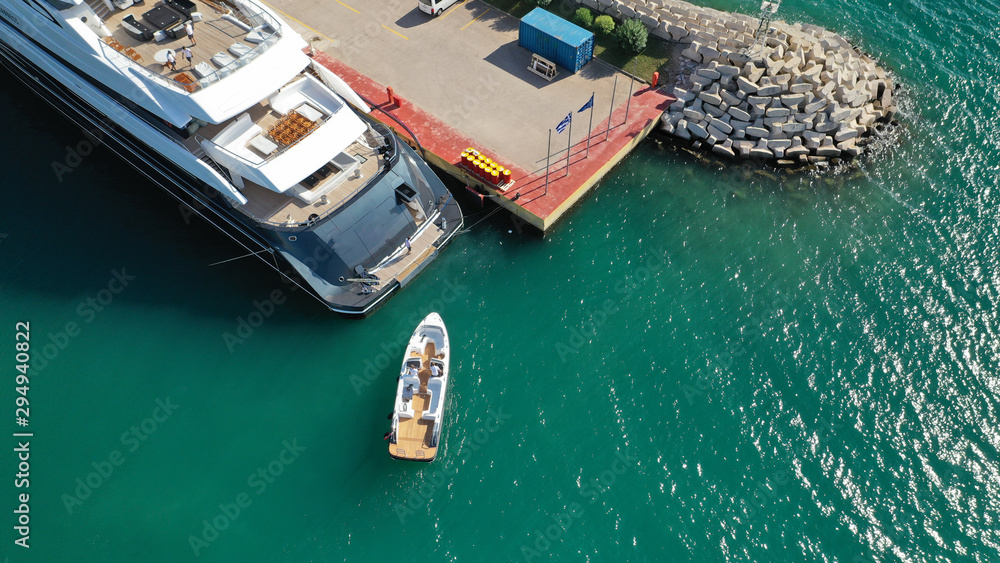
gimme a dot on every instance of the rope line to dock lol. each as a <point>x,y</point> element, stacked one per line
<point>239,257</point>
<point>490,214</point>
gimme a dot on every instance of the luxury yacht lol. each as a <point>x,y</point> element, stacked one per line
<point>251,134</point>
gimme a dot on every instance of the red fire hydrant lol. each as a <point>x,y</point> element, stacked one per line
<point>656,78</point>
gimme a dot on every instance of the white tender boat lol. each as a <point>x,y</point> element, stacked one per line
<point>420,393</point>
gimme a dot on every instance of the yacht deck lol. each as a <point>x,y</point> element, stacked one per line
<point>273,207</point>
<point>322,191</point>
<point>402,264</point>
<point>212,35</point>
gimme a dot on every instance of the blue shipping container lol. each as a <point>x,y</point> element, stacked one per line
<point>568,45</point>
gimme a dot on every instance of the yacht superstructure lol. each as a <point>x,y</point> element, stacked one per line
<point>256,137</point>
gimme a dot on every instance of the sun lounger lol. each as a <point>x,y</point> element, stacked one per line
<point>239,49</point>
<point>256,36</point>
<point>222,59</point>
<point>203,69</point>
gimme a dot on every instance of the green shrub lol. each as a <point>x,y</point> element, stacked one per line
<point>604,25</point>
<point>541,3</point>
<point>632,36</point>
<point>584,17</point>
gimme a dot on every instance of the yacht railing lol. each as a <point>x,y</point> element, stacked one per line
<point>230,68</point>
<point>254,14</point>
<point>413,135</point>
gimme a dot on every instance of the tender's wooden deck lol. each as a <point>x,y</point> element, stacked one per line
<point>212,36</point>
<point>413,436</point>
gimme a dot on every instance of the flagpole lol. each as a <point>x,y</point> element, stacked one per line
<point>612,110</point>
<point>547,153</point>
<point>569,142</point>
<point>590,128</point>
<point>631,84</point>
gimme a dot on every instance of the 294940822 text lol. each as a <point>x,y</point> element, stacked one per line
<point>22,413</point>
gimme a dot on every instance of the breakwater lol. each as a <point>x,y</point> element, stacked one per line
<point>805,95</point>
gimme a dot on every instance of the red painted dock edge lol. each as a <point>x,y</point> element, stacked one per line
<point>444,145</point>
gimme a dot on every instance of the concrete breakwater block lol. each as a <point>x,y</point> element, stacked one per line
<point>760,150</point>
<point>693,114</point>
<point>793,100</point>
<point>709,98</point>
<point>721,125</point>
<point>828,150</point>
<point>745,85</point>
<point>846,132</point>
<point>709,73</point>
<point>727,70</point>
<point>697,130</point>
<point>739,114</point>
<point>771,90</point>
<point>793,127</point>
<point>681,130</point>
<point>730,98</point>
<point>725,148</point>
<point>677,32</point>
<point>715,135</point>
<point>809,96</point>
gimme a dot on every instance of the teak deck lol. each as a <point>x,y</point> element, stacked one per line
<point>413,435</point>
<point>279,208</point>
<point>212,35</point>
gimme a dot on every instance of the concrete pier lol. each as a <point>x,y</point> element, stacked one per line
<point>462,81</point>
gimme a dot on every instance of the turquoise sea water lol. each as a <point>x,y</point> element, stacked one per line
<point>700,363</point>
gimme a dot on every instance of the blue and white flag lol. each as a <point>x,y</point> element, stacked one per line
<point>564,123</point>
<point>587,105</point>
